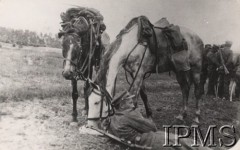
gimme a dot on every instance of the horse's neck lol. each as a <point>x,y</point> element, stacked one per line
<point>129,40</point>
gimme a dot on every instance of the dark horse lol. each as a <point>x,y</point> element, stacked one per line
<point>83,44</point>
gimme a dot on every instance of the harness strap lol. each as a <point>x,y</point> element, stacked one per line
<point>101,108</point>
<point>72,62</point>
<point>140,65</point>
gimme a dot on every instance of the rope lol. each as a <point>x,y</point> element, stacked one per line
<point>90,49</point>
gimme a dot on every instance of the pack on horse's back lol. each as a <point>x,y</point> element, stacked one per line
<point>175,44</point>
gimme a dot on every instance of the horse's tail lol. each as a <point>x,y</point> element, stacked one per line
<point>203,74</point>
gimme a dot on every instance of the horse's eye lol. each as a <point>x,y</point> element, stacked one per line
<point>96,103</point>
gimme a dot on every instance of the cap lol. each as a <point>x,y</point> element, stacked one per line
<point>215,47</point>
<point>208,46</point>
<point>123,96</point>
<point>228,43</point>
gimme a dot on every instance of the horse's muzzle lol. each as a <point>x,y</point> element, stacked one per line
<point>68,75</point>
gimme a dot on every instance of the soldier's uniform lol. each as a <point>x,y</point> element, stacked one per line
<point>236,74</point>
<point>130,125</point>
<point>204,74</point>
<point>227,55</point>
<point>213,64</point>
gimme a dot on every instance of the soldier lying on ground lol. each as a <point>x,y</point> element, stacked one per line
<point>129,124</point>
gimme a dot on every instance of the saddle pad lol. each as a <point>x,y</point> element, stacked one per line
<point>175,38</point>
<point>181,60</point>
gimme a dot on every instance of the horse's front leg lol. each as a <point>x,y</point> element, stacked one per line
<point>74,98</point>
<point>139,88</point>
<point>184,80</point>
<point>198,95</point>
<point>145,100</point>
<point>85,88</point>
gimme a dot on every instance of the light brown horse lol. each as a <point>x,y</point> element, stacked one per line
<point>138,59</point>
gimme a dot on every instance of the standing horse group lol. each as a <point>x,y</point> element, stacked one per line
<point>141,48</point>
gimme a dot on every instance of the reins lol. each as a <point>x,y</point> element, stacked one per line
<point>140,65</point>
<point>103,93</point>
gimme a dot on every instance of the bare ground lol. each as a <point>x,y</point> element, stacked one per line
<point>35,104</point>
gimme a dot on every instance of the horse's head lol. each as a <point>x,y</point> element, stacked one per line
<point>75,45</point>
<point>99,103</point>
<point>71,51</point>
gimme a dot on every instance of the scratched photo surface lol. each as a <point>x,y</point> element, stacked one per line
<point>36,92</point>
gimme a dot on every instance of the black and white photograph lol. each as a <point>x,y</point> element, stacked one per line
<point>119,74</point>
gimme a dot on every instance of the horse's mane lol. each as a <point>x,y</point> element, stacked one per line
<point>104,66</point>
<point>128,27</point>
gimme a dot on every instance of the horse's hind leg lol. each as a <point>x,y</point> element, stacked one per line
<point>196,80</point>
<point>74,98</point>
<point>184,80</point>
<point>145,100</point>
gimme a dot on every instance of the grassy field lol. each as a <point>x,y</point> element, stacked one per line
<point>35,103</point>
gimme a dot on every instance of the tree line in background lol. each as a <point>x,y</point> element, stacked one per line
<point>29,38</point>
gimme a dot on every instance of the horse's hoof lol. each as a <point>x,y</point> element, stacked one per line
<point>74,120</point>
<point>84,112</point>
<point>179,117</point>
<point>179,120</point>
<point>196,120</point>
<point>74,124</point>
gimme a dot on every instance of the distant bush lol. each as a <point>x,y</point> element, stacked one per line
<point>20,46</point>
<point>29,38</point>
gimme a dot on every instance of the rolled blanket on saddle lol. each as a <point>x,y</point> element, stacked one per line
<point>79,18</point>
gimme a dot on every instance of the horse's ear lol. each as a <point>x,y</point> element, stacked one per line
<point>71,30</point>
<point>60,34</point>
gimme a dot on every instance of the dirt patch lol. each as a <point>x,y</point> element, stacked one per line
<point>44,125</point>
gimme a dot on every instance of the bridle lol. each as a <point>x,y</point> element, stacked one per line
<point>105,96</point>
<point>79,71</point>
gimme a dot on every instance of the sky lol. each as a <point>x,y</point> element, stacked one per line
<point>215,21</point>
